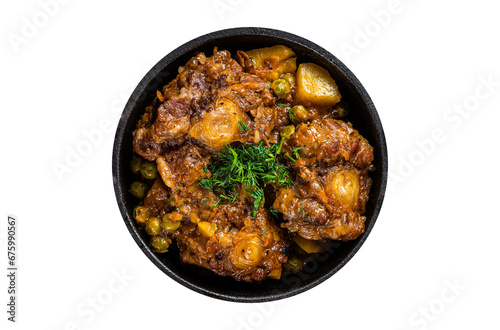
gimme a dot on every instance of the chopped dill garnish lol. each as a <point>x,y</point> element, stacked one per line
<point>265,232</point>
<point>280,145</point>
<point>274,211</point>
<point>216,203</point>
<point>291,113</point>
<point>291,158</point>
<point>298,196</point>
<point>242,127</point>
<point>251,165</point>
<point>288,109</point>
<point>296,151</point>
<point>231,198</point>
<point>302,211</point>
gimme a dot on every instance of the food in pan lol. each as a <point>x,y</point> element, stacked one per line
<point>244,164</point>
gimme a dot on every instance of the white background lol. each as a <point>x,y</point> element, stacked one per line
<point>431,261</point>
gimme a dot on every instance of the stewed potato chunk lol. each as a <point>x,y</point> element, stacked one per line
<point>315,86</point>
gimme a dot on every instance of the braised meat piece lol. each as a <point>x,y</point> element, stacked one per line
<point>206,102</point>
<point>184,167</point>
<point>332,182</point>
<point>229,241</point>
<point>330,142</point>
<point>325,206</point>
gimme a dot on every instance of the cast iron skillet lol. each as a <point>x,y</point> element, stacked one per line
<point>363,116</point>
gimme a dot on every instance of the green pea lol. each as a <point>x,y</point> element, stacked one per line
<point>135,165</point>
<point>153,226</point>
<point>281,87</point>
<point>159,243</point>
<point>171,225</point>
<point>340,110</point>
<point>171,201</point>
<point>298,114</point>
<point>293,264</point>
<point>288,77</point>
<point>148,170</point>
<point>287,131</point>
<point>140,214</point>
<point>138,189</point>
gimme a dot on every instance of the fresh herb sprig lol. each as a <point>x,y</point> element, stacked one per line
<point>274,211</point>
<point>296,151</point>
<point>242,127</point>
<point>288,109</point>
<point>251,165</point>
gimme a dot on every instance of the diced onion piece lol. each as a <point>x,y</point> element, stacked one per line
<point>247,253</point>
<point>194,218</point>
<point>160,96</point>
<point>308,245</point>
<point>176,216</point>
<point>275,274</point>
<point>315,86</point>
<point>224,239</point>
<point>343,187</point>
<point>207,229</point>
<point>276,235</point>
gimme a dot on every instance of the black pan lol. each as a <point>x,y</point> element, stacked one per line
<point>363,116</point>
